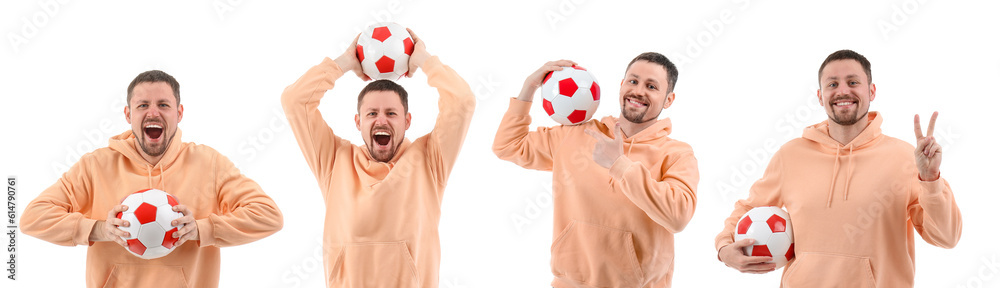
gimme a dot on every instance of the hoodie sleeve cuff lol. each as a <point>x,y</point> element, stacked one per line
<point>331,68</point>
<point>432,66</point>
<point>84,229</point>
<point>518,107</point>
<point>619,168</point>
<point>932,188</point>
<point>206,232</point>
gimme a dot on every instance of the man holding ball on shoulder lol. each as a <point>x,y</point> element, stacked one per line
<point>621,187</point>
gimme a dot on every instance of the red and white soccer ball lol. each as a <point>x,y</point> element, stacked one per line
<point>384,51</point>
<point>570,96</point>
<point>771,229</point>
<point>149,214</point>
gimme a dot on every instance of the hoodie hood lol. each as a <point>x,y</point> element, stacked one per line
<point>125,144</point>
<point>657,131</point>
<point>820,134</point>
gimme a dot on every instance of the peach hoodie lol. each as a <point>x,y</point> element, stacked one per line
<point>229,208</point>
<point>612,227</point>
<point>854,208</point>
<point>382,219</point>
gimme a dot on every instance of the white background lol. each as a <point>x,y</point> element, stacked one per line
<point>747,84</point>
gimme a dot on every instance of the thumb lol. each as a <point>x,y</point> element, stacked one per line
<point>745,242</point>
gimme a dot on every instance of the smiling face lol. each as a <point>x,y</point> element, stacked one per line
<point>644,92</point>
<point>383,121</point>
<point>153,112</point>
<point>845,92</point>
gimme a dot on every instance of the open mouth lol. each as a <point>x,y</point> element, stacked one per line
<point>153,131</point>
<point>382,138</point>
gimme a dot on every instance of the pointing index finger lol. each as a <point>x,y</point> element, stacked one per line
<point>594,134</point>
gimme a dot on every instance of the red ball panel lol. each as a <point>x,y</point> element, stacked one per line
<point>595,91</point>
<point>385,64</point>
<point>381,33</point>
<point>168,239</point>
<point>145,213</point>
<point>776,223</point>
<point>760,250</point>
<point>567,87</point>
<point>135,246</point>
<point>548,107</point>
<point>744,225</point>
<point>408,46</point>
<point>577,116</point>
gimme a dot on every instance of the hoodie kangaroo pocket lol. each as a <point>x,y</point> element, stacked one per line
<point>817,270</point>
<point>596,256</point>
<point>133,275</point>
<point>374,264</point>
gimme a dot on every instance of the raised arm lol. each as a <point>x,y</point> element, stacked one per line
<point>933,211</point>
<point>513,142</point>
<point>301,104</point>
<point>456,104</point>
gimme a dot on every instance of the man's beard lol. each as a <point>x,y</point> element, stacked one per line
<point>846,120</point>
<point>638,116</point>
<point>386,155</point>
<point>154,151</point>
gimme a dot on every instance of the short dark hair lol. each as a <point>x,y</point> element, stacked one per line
<point>384,85</point>
<point>154,76</point>
<point>658,58</point>
<point>843,55</point>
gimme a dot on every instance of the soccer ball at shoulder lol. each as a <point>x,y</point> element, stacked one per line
<point>571,95</point>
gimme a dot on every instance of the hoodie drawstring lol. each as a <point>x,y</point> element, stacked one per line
<point>836,168</point>
<point>149,177</point>
<point>630,144</point>
<point>850,170</point>
<point>833,180</point>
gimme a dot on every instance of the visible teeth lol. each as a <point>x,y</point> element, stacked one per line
<point>154,126</point>
<point>635,102</point>
<point>381,133</point>
<point>844,103</point>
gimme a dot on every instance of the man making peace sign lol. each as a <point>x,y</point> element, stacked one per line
<point>854,194</point>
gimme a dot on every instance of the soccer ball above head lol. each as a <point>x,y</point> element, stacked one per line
<point>384,51</point>
<point>149,214</point>
<point>570,96</point>
<point>771,229</point>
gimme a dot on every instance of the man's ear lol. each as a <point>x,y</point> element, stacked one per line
<point>128,115</point>
<point>819,97</point>
<point>872,91</point>
<point>407,121</point>
<point>670,100</point>
<point>180,113</point>
<point>357,121</point>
